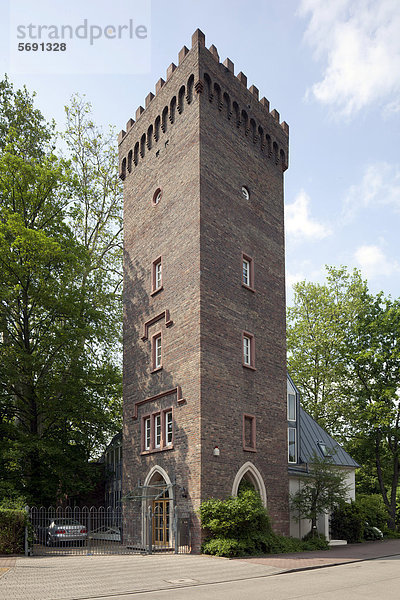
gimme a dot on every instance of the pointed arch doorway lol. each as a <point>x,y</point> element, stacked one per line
<point>159,497</point>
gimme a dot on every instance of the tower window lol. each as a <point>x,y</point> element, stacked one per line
<point>157,196</point>
<point>156,352</point>
<point>168,427</point>
<point>157,431</point>
<point>292,449</point>
<point>147,433</point>
<point>247,272</point>
<point>249,433</point>
<point>156,276</point>
<point>245,193</point>
<point>248,350</point>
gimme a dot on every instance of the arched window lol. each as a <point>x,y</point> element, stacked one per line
<point>122,172</point>
<point>157,128</point>
<point>164,119</point>
<point>276,154</point>
<point>245,121</point>
<point>217,91</point>
<point>190,85</point>
<point>261,134</point>
<point>207,81</point>
<point>253,128</point>
<point>236,112</point>
<point>269,145</point>
<point>227,103</point>
<point>283,160</point>
<point>150,137</point>
<point>142,145</point>
<point>172,108</point>
<point>130,161</point>
<point>136,154</point>
<point>181,99</point>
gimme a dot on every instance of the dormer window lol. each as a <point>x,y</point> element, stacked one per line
<point>326,452</point>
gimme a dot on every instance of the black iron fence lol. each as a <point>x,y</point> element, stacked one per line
<point>88,531</point>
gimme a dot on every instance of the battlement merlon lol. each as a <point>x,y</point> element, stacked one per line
<point>198,44</point>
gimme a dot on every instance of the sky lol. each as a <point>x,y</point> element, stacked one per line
<point>330,68</point>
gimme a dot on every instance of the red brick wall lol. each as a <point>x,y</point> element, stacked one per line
<point>200,228</point>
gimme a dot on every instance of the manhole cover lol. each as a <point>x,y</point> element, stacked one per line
<point>182,581</point>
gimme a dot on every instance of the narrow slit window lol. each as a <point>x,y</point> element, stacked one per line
<point>249,432</point>
<point>156,352</point>
<point>147,433</point>
<point>157,431</point>
<point>168,428</point>
<point>157,275</point>
<point>247,272</point>
<point>248,350</point>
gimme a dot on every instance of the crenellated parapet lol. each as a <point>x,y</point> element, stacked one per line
<point>238,112</point>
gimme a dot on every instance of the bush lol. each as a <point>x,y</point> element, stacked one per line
<point>235,518</point>
<point>373,510</point>
<point>241,526</point>
<point>347,523</point>
<point>12,531</point>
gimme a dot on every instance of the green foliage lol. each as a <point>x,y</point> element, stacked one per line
<point>240,526</point>
<point>236,517</point>
<point>60,306</point>
<point>373,510</point>
<point>347,523</point>
<point>345,358</point>
<point>321,492</point>
<point>12,531</point>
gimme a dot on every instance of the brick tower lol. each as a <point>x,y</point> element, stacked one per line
<point>204,294</point>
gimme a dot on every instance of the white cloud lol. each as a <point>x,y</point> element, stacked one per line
<point>373,262</point>
<point>380,186</point>
<point>298,222</point>
<point>359,42</point>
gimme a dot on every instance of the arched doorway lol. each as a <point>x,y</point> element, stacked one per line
<point>249,476</point>
<point>158,496</point>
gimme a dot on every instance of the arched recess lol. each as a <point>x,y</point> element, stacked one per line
<point>181,98</point>
<point>253,475</point>
<point>190,85</point>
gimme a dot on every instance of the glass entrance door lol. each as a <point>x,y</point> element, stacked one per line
<point>161,522</point>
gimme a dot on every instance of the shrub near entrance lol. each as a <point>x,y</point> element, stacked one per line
<point>241,526</point>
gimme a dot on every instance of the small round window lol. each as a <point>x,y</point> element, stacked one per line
<point>157,196</point>
<point>245,193</point>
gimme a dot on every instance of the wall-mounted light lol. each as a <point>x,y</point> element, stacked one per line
<point>216,451</point>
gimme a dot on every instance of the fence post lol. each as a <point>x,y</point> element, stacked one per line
<point>26,543</point>
<point>149,531</point>
<point>176,530</point>
<point>88,534</point>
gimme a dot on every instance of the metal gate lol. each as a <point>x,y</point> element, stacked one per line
<point>89,531</point>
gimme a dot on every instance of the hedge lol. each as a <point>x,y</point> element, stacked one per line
<point>12,531</point>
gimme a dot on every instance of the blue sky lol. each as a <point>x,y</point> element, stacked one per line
<point>331,69</point>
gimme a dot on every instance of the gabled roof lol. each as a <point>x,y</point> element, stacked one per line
<point>312,437</point>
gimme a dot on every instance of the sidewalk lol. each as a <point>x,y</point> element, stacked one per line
<point>85,577</point>
<point>337,555</point>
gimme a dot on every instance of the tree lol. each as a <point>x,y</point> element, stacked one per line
<point>321,492</point>
<point>316,335</point>
<point>344,357</point>
<point>60,385</point>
